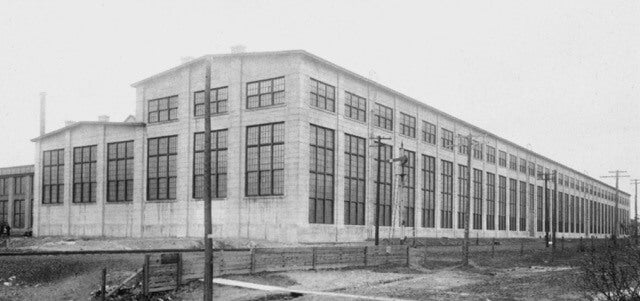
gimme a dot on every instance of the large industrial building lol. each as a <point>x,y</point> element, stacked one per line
<point>294,160</point>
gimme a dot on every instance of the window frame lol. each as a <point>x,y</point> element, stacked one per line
<point>216,102</point>
<point>322,209</point>
<point>171,100</point>
<point>169,175</point>
<point>316,84</point>
<point>386,119</point>
<point>350,108</point>
<point>274,82</point>
<point>272,170</point>
<point>407,125</point>
<point>359,204</point>
<point>216,175</point>
<point>429,132</point>
<point>59,185</point>
<point>128,175</point>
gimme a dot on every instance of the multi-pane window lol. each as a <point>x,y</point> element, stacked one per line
<point>409,172</point>
<point>502,203</point>
<point>428,191</point>
<point>428,132</point>
<point>53,176</point>
<point>491,201</point>
<point>18,214</point>
<point>560,179</point>
<point>219,146</point>
<point>4,186</point>
<point>532,202</point>
<point>4,212</point>
<point>502,158</point>
<point>355,107</point>
<point>532,169</point>
<point>383,117</point>
<point>572,220</point>
<point>265,93</point>
<point>491,154</point>
<point>321,174</point>
<point>19,185</point>
<point>560,212</point>
<point>477,199</point>
<point>463,195</point>
<point>163,109</point>
<point>162,168</point>
<point>407,125</point>
<point>463,146</point>
<point>513,210</point>
<point>477,150</point>
<point>322,95</point>
<point>84,174</point>
<point>513,162</point>
<point>447,139</point>
<point>354,179</point>
<point>539,209</point>
<point>567,213</point>
<point>265,160</point>
<point>218,100</point>
<point>540,171</point>
<point>523,166</point>
<point>446,210</point>
<point>386,180</point>
<point>523,206</point>
<point>120,171</point>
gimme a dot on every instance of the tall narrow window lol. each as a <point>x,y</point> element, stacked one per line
<point>265,93</point>
<point>163,109</point>
<point>4,212</point>
<point>219,99</point>
<point>407,125</point>
<point>477,199</point>
<point>18,185</point>
<point>477,150</point>
<point>502,158</point>
<point>560,212</point>
<point>18,214</point>
<point>321,175</point>
<point>386,180</point>
<point>354,179</point>
<point>513,162</point>
<point>572,220</point>
<point>523,206</point>
<point>567,216</point>
<point>513,210</point>
<point>265,160</point>
<point>540,210</point>
<point>120,171</point>
<point>162,168</point>
<point>383,117</point>
<point>323,95</point>
<point>532,169</point>
<point>218,164</point>
<point>532,204</point>
<point>84,174</point>
<point>447,139</point>
<point>428,132</point>
<point>523,166</point>
<point>446,211</point>
<point>4,186</point>
<point>409,172</point>
<point>491,201</point>
<point>502,203</point>
<point>53,176</point>
<point>463,146</point>
<point>428,191</point>
<point>463,195</point>
<point>355,107</point>
<point>491,154</point>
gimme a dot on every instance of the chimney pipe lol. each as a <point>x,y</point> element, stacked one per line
<point>103,118</point>
<point>68,122</point>
<point>43,100</point>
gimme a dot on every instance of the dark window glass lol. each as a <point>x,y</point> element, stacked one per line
<point>407,125</point>
<point>4,186</point>
<point>4,212</point>
<point>383,117</point>
<point>163,109</point>
<point>218,164</point>
<point>386,180</point>
<point>120,171</point>
<point>265,93</point>
<point>502,158</point>
<point>162,168</point>
<point>409,178</point>
<point>502,203</point>
<point>428,191</point>
<point>219,99</point>
<point>84,174</point>
<point>463,195</point>
<point>491,201</point>
<point>321,175</point>
<point>523,206</point>
<point>477,199</point>
<point>513,162</point>
<point>477,150</point>
<point>513,210</point>
<point>446,212</point>
<point>354,179</point>
<point>265,160</point>
<point>539,208</point>
<point>523,166</point>
<point>53,176</point>
<point>18,214</point>
<point>463,147</point>
<point>491,154</point>
<point>323,95</point>
<point>447,139</point>
<point>428,132</point>
<point>532,169</point>
<point>355,107</point>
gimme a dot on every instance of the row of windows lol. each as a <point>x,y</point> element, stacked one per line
<point>19,211</point>
<point>19,185</point>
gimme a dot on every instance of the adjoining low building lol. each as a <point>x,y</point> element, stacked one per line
<point>16,198</point>
<point>292,161</point>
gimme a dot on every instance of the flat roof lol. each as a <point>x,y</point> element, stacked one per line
<point>16,170</point>
<point>79,123</point>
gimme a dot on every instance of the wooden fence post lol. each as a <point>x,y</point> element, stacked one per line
<point>253,260</point>
<point>145,276</point>
<point>365,256</point>
<point>179,271</point>
<point>103,288</point>
<point>408,257</point>
<point>314,260</point>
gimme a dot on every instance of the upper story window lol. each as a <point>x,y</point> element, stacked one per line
<point>321,175</point>
<point>502,158</point>
<point>447,139</point>
<point>560,179</point>
<point>383,117</point>
<point>477,150</point>
<point>532,169</point>
<point>463,147</point>
<point>53,176</point>
<point>323,95</point>
<point>219,99</point>
<point>4,186</point>
<point>19,185</point>
<point>163,109</point>
<point>491,154</point>
<point>407,125</point>
<point>428,132</point>
<point>513,162</point>
<point>84,174</point>
<point>540,170</point>
<point>265,160</point>
<point>120,171</point>
<point>265,93</point>
<point>355,107</point>
<point>162,168</point>
<point>523,165</point>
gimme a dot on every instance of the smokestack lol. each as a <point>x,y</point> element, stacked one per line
<point>43,100</point>
<point>103,118</point>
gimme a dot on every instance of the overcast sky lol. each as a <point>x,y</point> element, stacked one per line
<point>562,77</point>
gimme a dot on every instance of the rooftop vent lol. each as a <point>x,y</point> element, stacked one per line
<point>238,49</point>
<point>103,118</point>
<point>68,122</point>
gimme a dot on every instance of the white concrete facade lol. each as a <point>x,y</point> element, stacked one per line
<point>281,217</point>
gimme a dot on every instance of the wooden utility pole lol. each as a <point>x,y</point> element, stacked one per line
<point>546,177</point>
<point>378,184</point>
<point>617,174</point>
<point>208,240</point>
<point>635,209</point>
<point>467,216</point>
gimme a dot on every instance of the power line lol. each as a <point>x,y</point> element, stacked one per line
<point>635,209</point>
<point>617,174</point>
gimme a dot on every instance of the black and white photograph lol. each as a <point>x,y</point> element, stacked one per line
<point>319,150</point>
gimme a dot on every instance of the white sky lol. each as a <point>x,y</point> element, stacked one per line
<point>562,77</point>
